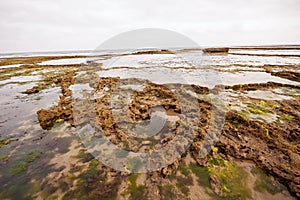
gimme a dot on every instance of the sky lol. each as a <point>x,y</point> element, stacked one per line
<point>61,25</point>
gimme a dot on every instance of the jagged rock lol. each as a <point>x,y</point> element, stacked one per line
<point>215,185</point>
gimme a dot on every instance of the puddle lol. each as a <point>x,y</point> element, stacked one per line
<point>266,95</point>
<point>252,77</point>
<point>22,79</point>
<point>133,87</point>
<point>164,75</point>
<point>16,107</point>
<point>79,89</point>
<point>153,68</point>
<point>10,66</point>
<point>207,78</point>
<point>287,91</point>
<point>197,58</point>
<point>240,68</point>
<point>68,61</point>
<point>262,111</point>
<point>266,52</point>
<point>281,69</point>
<point>151,60</point>
<point>230,59</point>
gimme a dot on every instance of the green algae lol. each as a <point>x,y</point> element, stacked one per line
<point>166,192</point>
<point>85,181</point>
<point>286,117</point>
<point>83,156</point>
<point>262,107</point>
<point>135,191</point>
<point>185,190</point>
<point>202,174</point>
<point>266,183</point>
<point>257,110</point>
<point>20,190</point>
<point>91,172</point>
<point>32,156</point>
<point>58,122</point>
<point>269,105</point>
<point>3,158</point>
<point>4,142</point>
<point>232,178</point>
<point>63,186</point>
<point>121,153</point>
<point>125,144</point>
<point>219,161</point>
<point>37,98</point>
<point>19,167</point>
<point>183,168</point>
<point>183,182</point>
<point>17,72</point>
<point>234,124</point>
<point>133,164</point>
<point>23,165</point>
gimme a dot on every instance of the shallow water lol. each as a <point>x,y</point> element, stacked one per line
<point>266,52</point>
<point>10,66</point>
<point>151,60</point>
<point>205,72</point>
<point>21,79</point>
<point>67,61</point>
<point>266,95</point>
<point>17,107</point>
<point>192,56</point>
<point>18,117</point>
<point>240,68</point>
<point>207,78</point>
<point>253,60</point>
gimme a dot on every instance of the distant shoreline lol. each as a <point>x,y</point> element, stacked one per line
<point>248,47</point>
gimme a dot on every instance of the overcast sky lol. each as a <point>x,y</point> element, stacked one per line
<point>49,25</point>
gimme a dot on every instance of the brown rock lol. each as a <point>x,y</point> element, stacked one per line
<point>46,118</point>
<point>215,185</point>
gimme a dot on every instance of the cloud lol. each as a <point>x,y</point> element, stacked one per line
<point>33,25</point>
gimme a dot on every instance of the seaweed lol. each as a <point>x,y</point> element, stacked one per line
<point>23,165</point>
<point>230,178</point>
<point>133,164</point>
<point>266,183</point>
<point>135,191</point>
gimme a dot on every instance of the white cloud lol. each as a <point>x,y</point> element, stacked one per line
<point>34,25</point>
